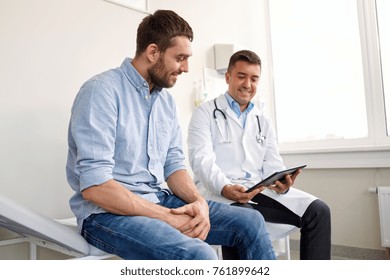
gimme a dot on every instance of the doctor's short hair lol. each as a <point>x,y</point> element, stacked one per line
<point>161,28</point>
<point>244,55</point>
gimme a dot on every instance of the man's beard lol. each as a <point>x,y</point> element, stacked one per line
<point>158,76</point>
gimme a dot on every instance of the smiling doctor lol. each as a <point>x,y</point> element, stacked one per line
<point>233,146</point>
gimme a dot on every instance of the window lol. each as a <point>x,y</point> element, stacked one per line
<point>327,79</point>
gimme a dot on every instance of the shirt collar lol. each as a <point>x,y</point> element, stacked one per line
<point>236,107</point>
<point>135,78</point>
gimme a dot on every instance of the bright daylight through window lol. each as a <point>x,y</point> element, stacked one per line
<point>318,71</point>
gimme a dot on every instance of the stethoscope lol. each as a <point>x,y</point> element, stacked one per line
<point>260,137</point>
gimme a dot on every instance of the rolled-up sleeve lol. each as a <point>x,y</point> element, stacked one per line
<point>175,155</point>
<point>92,129</point>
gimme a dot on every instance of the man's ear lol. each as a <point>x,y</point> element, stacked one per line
<point>152,53</point>
<point>227,77</point>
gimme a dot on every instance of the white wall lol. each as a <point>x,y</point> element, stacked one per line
<point>49,48</point>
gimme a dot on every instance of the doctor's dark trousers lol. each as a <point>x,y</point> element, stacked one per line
<point>315,225</point>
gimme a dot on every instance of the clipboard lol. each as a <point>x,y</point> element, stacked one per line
<point>277,176</point>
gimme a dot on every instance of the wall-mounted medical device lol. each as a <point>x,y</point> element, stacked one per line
<point>222,54</point>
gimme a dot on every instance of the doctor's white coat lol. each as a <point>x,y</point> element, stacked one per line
<point>223,152</point>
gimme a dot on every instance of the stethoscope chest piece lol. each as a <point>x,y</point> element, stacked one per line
<point>260,137</point>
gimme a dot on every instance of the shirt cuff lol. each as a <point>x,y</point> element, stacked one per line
<point>95,177</point>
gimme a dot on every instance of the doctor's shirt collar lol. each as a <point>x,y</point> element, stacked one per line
<point>236,107</point>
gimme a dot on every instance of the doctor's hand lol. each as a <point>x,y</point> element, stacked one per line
<point>283,187</point>
<point>238,194</point>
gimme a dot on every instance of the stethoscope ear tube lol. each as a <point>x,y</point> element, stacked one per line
<point>215,111</point>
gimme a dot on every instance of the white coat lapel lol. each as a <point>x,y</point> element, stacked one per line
<point>224,106</point>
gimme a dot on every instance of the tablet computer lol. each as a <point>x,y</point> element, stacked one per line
<point>277,176</point>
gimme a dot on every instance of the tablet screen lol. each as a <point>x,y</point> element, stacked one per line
<point>277,176</point>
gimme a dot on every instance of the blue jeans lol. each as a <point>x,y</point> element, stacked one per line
<point>144,238</point>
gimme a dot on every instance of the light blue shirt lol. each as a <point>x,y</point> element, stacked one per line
<point>236,108</point>
<point>118,130</point>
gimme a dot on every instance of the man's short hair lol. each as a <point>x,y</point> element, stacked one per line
<point>243,55</point>
<point>161,28</point>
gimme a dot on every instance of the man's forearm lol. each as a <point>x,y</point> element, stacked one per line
<point>181,184</point>
<point>116,199</point>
